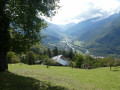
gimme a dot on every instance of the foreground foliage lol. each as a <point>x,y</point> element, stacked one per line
<point>20,25</point>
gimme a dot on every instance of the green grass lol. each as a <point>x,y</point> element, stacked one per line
<point>62,78</point>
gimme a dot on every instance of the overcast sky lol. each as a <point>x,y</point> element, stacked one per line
<point>78,10</point>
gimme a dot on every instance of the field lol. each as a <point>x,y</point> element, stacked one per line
<point>78,43</point>
<point>38,77</point>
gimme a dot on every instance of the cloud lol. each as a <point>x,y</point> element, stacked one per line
<point>78,10</point>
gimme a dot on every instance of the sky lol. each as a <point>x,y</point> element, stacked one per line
<point>74,11</point>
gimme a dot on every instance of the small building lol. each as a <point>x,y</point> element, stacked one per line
<point>38,62</point>
<point>61,59</point>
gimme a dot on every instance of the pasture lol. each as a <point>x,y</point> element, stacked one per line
<point>38,77</point>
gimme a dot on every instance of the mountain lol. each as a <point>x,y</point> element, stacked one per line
<point>66,27</point>
<point>101,37</point>
<point>82,27</point>
<point>52,33</point>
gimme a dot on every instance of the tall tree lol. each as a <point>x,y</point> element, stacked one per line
<point>111,62</point>
<point>55,51</point>
<point>49,52</point>
<point>79,61</point>
<point>20,24</point>
<point>71,54</point>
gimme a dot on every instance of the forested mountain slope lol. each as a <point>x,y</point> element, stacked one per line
<point>101,37</point>
<point>52,33</point>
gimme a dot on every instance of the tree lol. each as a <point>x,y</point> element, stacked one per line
<point>47,62</point>
<point>49,53</point>
<point>55,51</point>
<point>71,54</point>
<point>38,49</point>
<point>79,61</point>
<point>20,24</point>
<point>64,53</point>
<point>31,58</point>
<point>10,55</point>
<point>110,62</point>
<point>71,63</point>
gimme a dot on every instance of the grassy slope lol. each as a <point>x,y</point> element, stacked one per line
<point>80,79</point>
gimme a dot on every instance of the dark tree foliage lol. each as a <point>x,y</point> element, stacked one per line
<point>31,58</point>
<point>111,62</point>
<point>64,53</point>
<point>71,54</point>
<point>49,53</point>
<point>55,51</point>
<point>20,24</point>
<point>79,61</point>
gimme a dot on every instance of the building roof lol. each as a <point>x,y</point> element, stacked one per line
<point>60,57</point>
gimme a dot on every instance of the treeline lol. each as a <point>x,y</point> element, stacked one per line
<point>89,62</point>
<point>39,54</point>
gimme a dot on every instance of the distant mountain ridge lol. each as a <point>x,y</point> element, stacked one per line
<point>52,33</point>
<point>101,37</point>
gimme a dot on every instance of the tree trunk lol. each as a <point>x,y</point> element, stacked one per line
<point>4,36</point>
<point>110,68</point>
<point>3,61</point>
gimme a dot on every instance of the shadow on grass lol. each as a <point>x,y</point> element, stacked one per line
<point>11,81</point>
<point>116,69</point>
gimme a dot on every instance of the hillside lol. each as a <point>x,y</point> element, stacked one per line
<point>52,32</point>
<point>100,37</point>
<point>39,77</point>
<point>103,39</point>
<point>52,35</point>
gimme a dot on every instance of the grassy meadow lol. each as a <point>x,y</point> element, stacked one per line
<point>38,77</point>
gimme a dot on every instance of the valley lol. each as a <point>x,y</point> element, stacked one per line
<point>98,37</point>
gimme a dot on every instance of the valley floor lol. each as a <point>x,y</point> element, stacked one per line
<point>63,78</point>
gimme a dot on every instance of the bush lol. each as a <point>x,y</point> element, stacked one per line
<point>97,65</point>
<point>53,63</point>
<point>71,64</point>
<point>79,61</point>
<point>31,58</point>
<point>10,55</point>
<point>41,57</point>
<point>15,59</point>
<point>47,62</point>
<point>12,58</point>
<point>23,58</point>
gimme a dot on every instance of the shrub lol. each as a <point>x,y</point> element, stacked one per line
<point>71,64</point>
<point>10,55</point>
<point>15,59</point>
<point>79,61</point>
<point>47,62</point>
<point>23,58</point>
<point>41,57</point>
<point>96,65</point>
<point>31,58</point>
<point>53,63</point>
<point>12,58</point>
